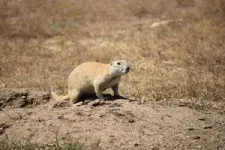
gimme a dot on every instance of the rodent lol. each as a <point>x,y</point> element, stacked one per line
<point>94,78</point>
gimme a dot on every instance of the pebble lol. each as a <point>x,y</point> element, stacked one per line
<point>201,119</point>
<point>168,116</point>
<point>79,103</point>
<point>115,104</point>
<point>191,129</point>
<point>1,130</point>
<point>199,146</point>
<point>182,104</point>
<point>48,123</point>
<point>60,117</point>
<point>86,102</point>
<point>101,115</point>
<point>207,127</point>
<point>61,104</point>
<point>96,103</point>
<point>23,97</point>
<point>111,136</point>
<point>29,113</point>
<point>196,137</point>
<point>154,148</point>
<point>16,115</point>
<point>136,144</point>
<point>131,120</point>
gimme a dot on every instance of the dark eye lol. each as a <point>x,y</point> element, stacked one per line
<point>118,63</point>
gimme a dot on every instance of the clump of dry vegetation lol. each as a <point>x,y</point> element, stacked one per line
<point>56,145</point>
<point>42,41</point>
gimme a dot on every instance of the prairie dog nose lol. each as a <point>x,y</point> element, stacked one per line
<point>127,69</point>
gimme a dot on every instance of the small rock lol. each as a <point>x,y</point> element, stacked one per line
<point>48,123</point>
<point>79,103</point>
<point>115,104</point>
<point>16,115</point>
<point>196,137</point>
<point>94,103</point>
<point>201,119</point>
<point>191,129</point>
<point>131,120</point>
<point>169,116</point>
<point>102,102</point>
<point>136,144</point>
<point>200,147</point>
<point>23,97</point>
<point>112,136</point>
<point>3,127</point>
<point>139,103</point>
<point>1,130</point>
<point>151,147</point>
<point>97,103</point>
<point>40,120</point>
<point>154,148</point>
<point>101,115</point>
<point>160,23</point>
<point>207,113</point>
<point>207,127</point>
<point>182,104</point>
<point>61,104</point>
<point>60,117</point>
<point>110,141</point>
<point>29,113</point>
<point>86,102</point>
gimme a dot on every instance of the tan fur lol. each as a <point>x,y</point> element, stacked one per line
<point>94,78</point>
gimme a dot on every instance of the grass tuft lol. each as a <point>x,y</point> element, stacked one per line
<point>57,145</point>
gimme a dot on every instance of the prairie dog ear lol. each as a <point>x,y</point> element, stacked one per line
<point>111,63</point>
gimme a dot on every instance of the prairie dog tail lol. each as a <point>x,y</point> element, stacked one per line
<point>59,97</point>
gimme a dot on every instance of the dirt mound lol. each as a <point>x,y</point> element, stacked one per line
<point>21,98</point>
<point>118,124</point>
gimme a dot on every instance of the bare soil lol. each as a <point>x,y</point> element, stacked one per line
<point>117,124</point>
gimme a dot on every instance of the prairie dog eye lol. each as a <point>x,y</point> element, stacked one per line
<point>118,63</point>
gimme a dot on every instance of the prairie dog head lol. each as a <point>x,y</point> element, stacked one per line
<point>119,67</point>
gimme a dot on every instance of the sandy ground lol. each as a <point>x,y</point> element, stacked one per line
<point>117,124</point>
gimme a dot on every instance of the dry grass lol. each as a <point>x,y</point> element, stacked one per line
<point>56,145</point>
<point>42,41</point>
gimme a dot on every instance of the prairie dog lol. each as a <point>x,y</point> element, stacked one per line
<point>94,78</point>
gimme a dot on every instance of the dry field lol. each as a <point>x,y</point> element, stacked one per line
<point>42,41</point>
<point>182,61</point>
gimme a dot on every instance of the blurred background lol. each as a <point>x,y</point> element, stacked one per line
<point>176,47</point>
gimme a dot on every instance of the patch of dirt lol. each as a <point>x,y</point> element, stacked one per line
<point>22,98</point>
<point>118,124</point>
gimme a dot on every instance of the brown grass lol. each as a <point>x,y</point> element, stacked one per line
<point>58,144</point>
<point>42,41</point>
